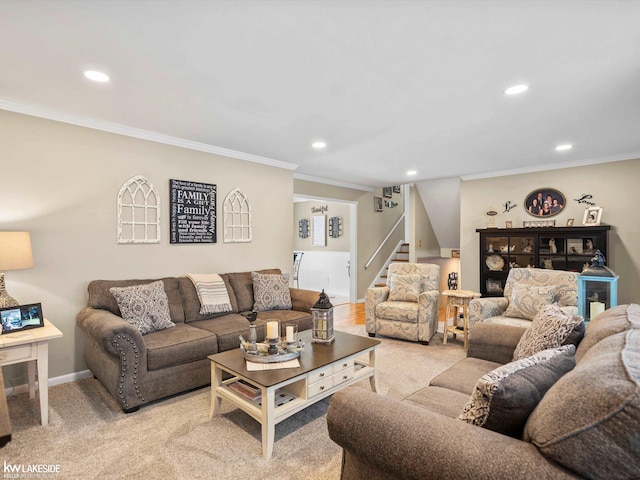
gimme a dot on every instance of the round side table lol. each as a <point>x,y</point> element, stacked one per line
<point>456,300</point>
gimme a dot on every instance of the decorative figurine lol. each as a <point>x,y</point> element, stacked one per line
<point>552,245</point>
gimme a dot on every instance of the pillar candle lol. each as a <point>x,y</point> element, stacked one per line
<point>289,333</point>
<point>596,309</point>
<point>272,330</point>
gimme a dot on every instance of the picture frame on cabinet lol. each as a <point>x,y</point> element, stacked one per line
<point>592,216</point>
<point>569,222</point>
<point>508,224</point>
<point>494,286</point>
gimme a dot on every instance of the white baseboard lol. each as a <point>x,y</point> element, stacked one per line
<point>71,377</point>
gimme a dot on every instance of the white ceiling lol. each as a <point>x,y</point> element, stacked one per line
<point>389,85</point>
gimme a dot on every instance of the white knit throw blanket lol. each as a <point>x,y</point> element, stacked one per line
<point>212,292</point>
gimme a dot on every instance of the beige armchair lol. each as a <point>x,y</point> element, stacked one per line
<point>407,308</point>
<point>525,291</point>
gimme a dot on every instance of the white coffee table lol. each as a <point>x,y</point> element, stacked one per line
<point>324,369</point>
<point>32,346</point>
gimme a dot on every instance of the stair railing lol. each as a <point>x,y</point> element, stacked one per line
<point>375,254</point>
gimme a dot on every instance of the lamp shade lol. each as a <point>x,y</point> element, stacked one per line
<point>15,251</point>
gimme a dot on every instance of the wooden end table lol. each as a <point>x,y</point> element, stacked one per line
<point>32,346</point>
<point>456,300</point>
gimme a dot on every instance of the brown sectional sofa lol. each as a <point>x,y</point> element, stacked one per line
<point>137,369</point>
<point>587,425</point>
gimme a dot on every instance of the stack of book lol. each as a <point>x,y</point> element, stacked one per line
<point>246,390</point>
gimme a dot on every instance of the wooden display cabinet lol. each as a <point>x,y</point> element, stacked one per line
<point>557,248</point>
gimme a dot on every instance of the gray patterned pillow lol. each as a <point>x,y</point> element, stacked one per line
<point>549,329</point>
<point>146,307</point>
<point>527,300</point>
<point>404,288</point>
<point>270,292</point>
<point>505,397</point>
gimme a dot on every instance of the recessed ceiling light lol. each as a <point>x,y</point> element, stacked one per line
<point>564,147</point>
<point>412,172</point>
<point>96,76</point>
<point>319,145</point>
<point>516,89</point>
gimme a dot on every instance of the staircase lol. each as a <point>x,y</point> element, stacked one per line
<point>401,255</point>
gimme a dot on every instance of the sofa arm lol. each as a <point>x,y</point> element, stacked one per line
<point>372,297</point>
<point>400,440</point>
<point>104,327</point>
<point>494,342</point>
<point>303,300</point>
<point>482,308</point>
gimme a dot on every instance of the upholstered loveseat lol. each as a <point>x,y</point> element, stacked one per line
<point>137,369</point>
<point>586,425</point>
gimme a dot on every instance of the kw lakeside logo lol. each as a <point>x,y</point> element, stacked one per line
<point>39,470</point>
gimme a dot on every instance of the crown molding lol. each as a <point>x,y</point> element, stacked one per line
<point>553,166</point>
<point>326,181</point>
<point>79,120</point>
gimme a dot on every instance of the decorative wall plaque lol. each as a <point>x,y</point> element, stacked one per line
<point>138,212</point>
<point>193,212</point>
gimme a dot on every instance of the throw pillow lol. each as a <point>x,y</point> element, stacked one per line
<point>404,288</point>
<point>146,307</point>
<point>504,398</point>
<point>527,300</point>
<point>270,292</point>
<point>549,329</point>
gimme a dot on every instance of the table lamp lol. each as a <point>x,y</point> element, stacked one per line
<point>15,254</point>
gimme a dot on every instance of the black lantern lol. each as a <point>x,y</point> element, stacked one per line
<point>322,315</point>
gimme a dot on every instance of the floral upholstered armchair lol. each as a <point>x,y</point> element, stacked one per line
<point>525,292</point>
<point>407,308</point>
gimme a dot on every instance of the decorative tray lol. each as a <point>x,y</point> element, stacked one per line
<point>495,263</point>
<point>285,353</point>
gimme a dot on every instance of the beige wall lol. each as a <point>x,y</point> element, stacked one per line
<point>422,238</point>
<point>303,210</point>
<point>372,226</point>
<point>60,182</point>
<point>614,186</point>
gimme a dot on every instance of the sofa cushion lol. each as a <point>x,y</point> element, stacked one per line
<point>462,376</point>
<point>527,300</point>
<point>398,311</point>
<point>145,306</point>
<point>242,285</point>
<point>618,319</point>
<point>504,398</point>
<point>270,292</point>
<point>303,319</point>
<point>588,421</point>
<point>404,288</point>
<point>439,400</point>
<point>191,302</point>
<point>178,345</point>
<point>100,296</point>
<point>549,329</point>
<point>227,329</point>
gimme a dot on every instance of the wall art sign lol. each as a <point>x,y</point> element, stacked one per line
<point>586,199</point>
<point>193,212</point>
<point>544,202</point>
<point>320,209</point>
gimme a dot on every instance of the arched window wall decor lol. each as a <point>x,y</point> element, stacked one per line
<point>237,217</point>
<point>138,212</point>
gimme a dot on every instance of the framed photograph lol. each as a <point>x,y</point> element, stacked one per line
<point>22,317</point>
<point>377,204</point>
<point>387,192</point>
<point>396,189</point>
<point>508,224</point>
<point>592,216</point>
<point>570,222</point>
<point>494,286</point>
<point>544,202</point>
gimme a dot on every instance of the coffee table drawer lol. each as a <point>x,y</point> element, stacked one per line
<point>319,387</point>
<point>339,366</point>
<point>321,374</point>
<point>343,376</point>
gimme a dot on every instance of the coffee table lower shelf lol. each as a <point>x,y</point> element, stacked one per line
<point>297,392</point>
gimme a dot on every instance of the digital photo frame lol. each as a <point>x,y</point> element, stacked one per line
<point>22,317</point>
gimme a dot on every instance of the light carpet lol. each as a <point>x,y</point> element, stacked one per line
<point>89,436</point>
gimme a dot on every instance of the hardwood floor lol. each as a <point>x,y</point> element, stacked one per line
<point>353,314</point>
